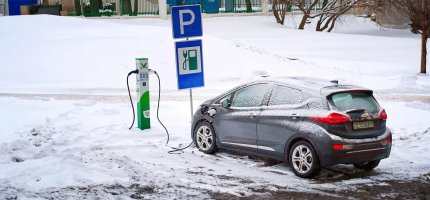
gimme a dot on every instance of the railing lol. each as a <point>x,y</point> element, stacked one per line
<point>219,6</point>
<point>118,8</point>
<point>150,7</point>
<point>317,7</point>
<point>239,6</point>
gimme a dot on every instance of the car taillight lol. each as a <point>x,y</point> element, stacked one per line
<point>332,118</point>
<point>387,141</point>
<point>341,147</point>
<point>383,115</point>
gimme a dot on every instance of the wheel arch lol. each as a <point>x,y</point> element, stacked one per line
<point>295,139</point>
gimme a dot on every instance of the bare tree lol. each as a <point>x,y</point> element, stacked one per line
<point>386,14</point>
<point>279,9</point>
<point>306,9</point>
<point>329,13</point>
<point>418,12</point>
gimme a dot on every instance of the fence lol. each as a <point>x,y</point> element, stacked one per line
<point>219,6</point>
<point>318,6</point>
<point>93,8</point>
<point>116,7</point>
<point>239,6</point>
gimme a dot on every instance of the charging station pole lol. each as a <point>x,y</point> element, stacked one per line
<point>142,90</point>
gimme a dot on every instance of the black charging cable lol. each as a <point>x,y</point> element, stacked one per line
<point>129,95</point>
<point>158,106</point>
<point>175,150</point>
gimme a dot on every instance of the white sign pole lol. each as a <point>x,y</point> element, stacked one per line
<point>191,103</point>
<point>191,96</point>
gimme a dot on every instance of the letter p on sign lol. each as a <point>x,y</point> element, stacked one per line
<point>186,21</point>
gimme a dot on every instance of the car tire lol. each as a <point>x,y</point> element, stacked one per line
<point>303,160</point>
<point>368,166</point>
<point>205,138</point>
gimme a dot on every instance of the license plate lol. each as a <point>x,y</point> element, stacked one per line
<point>363,125</point>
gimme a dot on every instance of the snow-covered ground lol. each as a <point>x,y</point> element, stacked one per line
<point>65,113</point>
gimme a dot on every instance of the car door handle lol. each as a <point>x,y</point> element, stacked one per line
<point>252,115</point>
<point>294,116</point>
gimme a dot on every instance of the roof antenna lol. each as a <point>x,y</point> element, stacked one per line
<point>335,82</point>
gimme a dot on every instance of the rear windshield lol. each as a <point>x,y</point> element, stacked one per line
<point>353,100</point>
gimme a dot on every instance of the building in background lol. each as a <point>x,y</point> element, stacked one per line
<point>94,8</point>
<point>4,8</point>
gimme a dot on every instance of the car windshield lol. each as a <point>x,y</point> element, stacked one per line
<point>353,100</point>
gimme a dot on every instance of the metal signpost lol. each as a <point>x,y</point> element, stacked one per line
<point>186,23</point>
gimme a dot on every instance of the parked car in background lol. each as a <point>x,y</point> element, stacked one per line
<point>309,123</point>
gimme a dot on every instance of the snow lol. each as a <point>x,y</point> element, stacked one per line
<point>65,116</point>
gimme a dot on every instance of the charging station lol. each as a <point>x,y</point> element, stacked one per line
<point>142,90</point>
<point>186,21</point>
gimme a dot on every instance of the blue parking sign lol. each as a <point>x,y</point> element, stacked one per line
<point>187,21</point>
<point>189,64</point>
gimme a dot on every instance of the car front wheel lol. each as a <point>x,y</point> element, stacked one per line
<point>205,138</point>
<point>303,160</point>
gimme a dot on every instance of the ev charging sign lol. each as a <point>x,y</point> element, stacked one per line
<point>187,21</point>
<point>189,64</point>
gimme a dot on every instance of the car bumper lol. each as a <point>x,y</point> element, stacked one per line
<point>356,151</point>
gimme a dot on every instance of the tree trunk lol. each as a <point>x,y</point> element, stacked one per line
<point>275,11</point>
<point>319,23</point>
<point>126,7</point>
<point>332,24</point>
<point>303,22</point>
<point>94,5</point>
<point>78,8</point>
<point>424,36</point>
<point>248,6</point>
<point>136,5</point>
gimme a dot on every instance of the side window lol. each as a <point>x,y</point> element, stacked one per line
<point>285,96</point>
<point>222,99</point>
<point>251,96</point>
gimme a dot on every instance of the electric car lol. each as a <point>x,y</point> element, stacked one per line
<point>307,122</point>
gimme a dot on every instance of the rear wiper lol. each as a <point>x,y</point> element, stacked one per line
<point>355,110</point>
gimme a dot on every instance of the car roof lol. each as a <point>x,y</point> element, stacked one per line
<point>315,85</point>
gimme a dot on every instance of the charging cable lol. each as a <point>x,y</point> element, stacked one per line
<point>131,101</point>
<point>175,150</point>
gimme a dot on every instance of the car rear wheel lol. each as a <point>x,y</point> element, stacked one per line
<point>205,138</point>
<point>368,166</point>
<point>303,160</point>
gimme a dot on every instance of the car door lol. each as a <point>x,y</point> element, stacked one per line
<point>238,123</point>
<point>278,121</point>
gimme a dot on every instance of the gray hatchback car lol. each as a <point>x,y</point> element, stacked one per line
<point>309,123</point>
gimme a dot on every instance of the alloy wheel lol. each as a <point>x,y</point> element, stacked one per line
<point>302,159</point>
<point>204,138</point>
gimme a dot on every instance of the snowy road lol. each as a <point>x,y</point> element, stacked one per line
<point>83,148</point>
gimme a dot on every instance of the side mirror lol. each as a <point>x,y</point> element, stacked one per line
<point>226,103</point>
